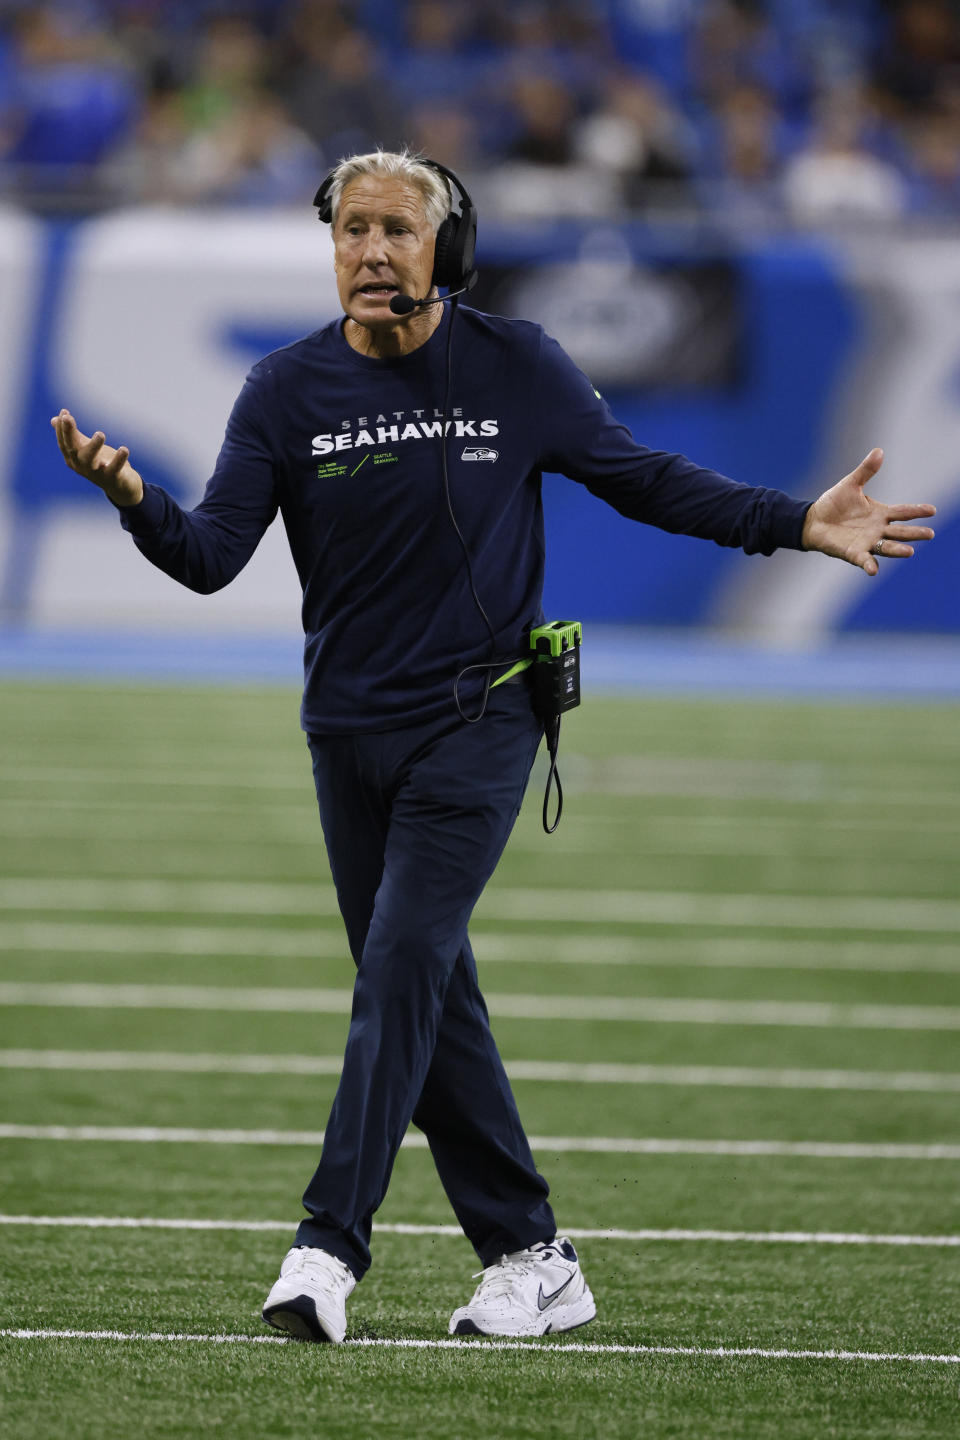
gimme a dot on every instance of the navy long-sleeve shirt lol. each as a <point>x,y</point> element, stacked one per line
<point>348,450</point>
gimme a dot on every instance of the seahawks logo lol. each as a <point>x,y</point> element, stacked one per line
<point>479,452</point>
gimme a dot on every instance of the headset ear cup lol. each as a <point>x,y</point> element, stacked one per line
<point>468,242</point>
<point>455,246</point>
<point>323,202</point>
<point>446,261</point>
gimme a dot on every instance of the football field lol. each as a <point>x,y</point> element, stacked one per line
<point>727,992</point>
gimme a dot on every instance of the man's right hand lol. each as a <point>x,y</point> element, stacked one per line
<point>97,461</point>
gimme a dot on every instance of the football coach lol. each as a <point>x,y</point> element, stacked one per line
<point>422,573</point>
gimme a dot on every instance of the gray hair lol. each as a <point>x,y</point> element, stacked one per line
<point>405,165</point>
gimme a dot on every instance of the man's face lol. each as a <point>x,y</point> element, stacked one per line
<point>383,245</point>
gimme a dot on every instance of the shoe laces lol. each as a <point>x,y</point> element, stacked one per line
<point>505,1275</point>
<point>326,1271</point>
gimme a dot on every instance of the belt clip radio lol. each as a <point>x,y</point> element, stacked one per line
<point>556,668</point>
<point>556,688</point>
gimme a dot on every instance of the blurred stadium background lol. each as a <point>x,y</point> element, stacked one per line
<point>742,220</point>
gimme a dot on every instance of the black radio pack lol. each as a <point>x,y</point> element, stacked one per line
<point>556,668</point>
<point>555,673</point>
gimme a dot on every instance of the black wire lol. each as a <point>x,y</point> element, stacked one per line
<point>470,719</point>
<point>553,778</point>
<point>552,733</point>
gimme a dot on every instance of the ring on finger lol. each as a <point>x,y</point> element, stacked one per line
<point>878,548</point>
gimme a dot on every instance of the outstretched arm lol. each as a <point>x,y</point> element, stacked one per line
<point>98,462</point>
<point>203,548</point>
<point>847,524</point>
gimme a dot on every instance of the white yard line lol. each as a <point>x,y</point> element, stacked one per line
<point>453,1232</point>
<point>749,834</point>
<point>629,775</point>
<point>248,774</point>
<point>175,997</point>
<point>100,824</point>
<point>226,810</point>
<point>646,1010</point>
<point>563,903</point>
<point>174,1061</point>
<point>84,937</point>
<point>651,907</point>
<point>221,822</point>
<point>554,1348</point>
<point>742,1076</point>
<point>554,1144</point>
<point>198,897</point>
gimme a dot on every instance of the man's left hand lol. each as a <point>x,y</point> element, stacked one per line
<point>847,524</point>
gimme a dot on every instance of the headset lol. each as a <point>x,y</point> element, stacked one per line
<point>456,241</point>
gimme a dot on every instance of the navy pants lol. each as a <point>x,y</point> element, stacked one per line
<point>415,821</point>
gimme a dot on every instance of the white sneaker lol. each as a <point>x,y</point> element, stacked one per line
<point>531,1292</point>
<point>309,1299</point>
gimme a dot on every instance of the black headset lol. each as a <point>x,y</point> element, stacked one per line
<point>456,239</point>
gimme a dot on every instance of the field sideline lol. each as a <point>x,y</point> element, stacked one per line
<point>727,993</point>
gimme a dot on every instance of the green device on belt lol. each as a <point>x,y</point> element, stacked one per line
<point>555,667</point>
<point>556,662</point>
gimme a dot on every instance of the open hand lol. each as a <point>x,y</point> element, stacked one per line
<point>847,524</point>
<point>97,461</point>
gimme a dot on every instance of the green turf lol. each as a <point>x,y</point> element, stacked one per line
<point>565,1107</point>
<point>784,1299</point>
<point>833,803</point>
<point>589,1191</point>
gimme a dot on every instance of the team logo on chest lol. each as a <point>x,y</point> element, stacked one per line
<point>403,425</point>
<point>479,452</point>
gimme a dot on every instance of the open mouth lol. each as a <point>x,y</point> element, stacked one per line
<point>379,289</point>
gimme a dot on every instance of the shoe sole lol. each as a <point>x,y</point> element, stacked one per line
<point>298,1319</point>
<point>571,1316</point>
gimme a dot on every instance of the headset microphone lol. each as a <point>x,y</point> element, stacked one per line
<point>405,304</point>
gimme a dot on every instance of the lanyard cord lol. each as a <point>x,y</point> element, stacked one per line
<point>552,736</point>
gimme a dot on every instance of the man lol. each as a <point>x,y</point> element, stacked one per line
<point>403,549</point>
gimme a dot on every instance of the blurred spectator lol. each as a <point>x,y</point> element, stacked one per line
<point>543,121</point>
<point>445,131</point>
<point>641,139</point>
<point>934,173</point>
<point>230,63</point>
<point>553,106</point>
<point>559,40</point>
<point>342,97</point>
<point>538,175</point>
<point>737,46</point>
<point>149,167</point>
<point>453,57</point>
<point>837,176</point>
<point>830,40</point>
<point>743,158</point>
<point>654,36</point>
<point>252,156</point>
<point>923,47</point>
<point>71,101</point>
<point>441,59</point>
<point>302,22</point>
<point>307,31</point>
